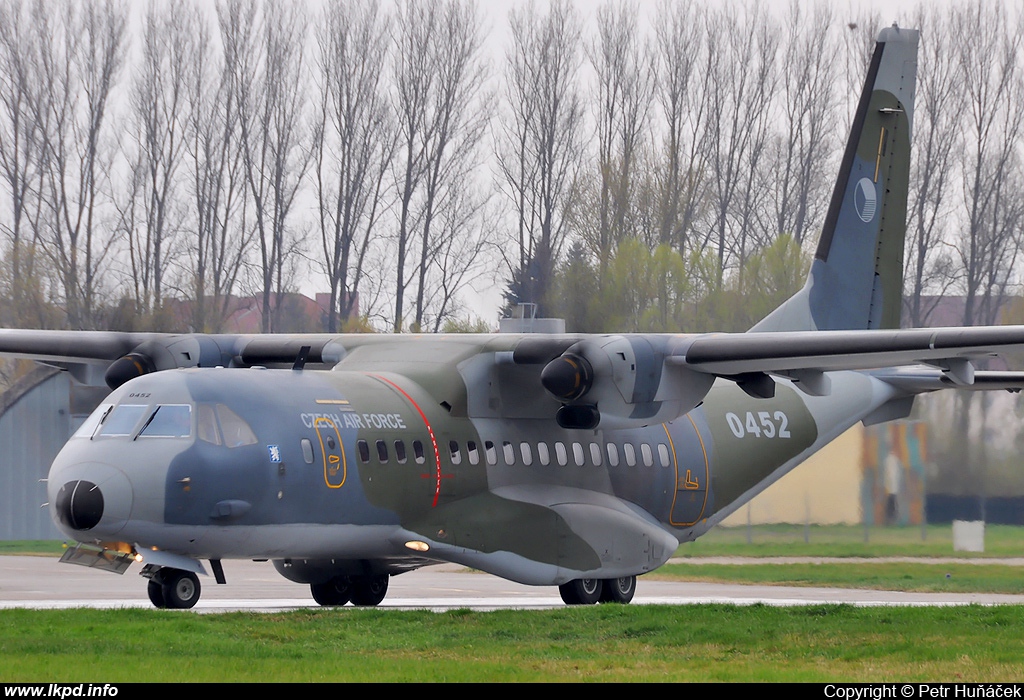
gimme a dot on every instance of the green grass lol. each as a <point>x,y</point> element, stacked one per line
<point>849,541</point>
<point>600,643</point>
<point>40,547</point>
<point>897,576</point>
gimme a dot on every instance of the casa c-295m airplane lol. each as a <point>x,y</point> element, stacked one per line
<point>577,461</point>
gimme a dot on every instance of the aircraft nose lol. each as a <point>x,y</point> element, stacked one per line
<point>80,505</point>
<point>92,498</point>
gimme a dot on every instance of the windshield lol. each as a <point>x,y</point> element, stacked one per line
<point>122,420</point>
<point>173,421</point>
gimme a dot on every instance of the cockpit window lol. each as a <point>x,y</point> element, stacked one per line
<point>173,421</point>
<point>219,425</point>
<point>90,424</point>
<point>122,420</point>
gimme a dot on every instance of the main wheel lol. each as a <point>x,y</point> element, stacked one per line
<point>156,594</point>
<point>581,591</point>
<point>368,591</point>
<point>180,588</point>
<point>618,590</point>
<point>334,592</point>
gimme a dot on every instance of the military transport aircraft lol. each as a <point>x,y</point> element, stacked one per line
<point>577,461</point>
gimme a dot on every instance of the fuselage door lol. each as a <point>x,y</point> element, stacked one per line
<point>335,467</point>
<point>690,458</point>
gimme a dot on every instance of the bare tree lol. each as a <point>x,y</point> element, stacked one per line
<point>993,81</point>
<point>265,43</point>
<point>742,62</point>
<point>353,143</point>
<point>459,110</point>
<point>859,37</point>
<point>683,92</point>
<point>625,83</point>
<point>414,75</point>
<point>158,116</point>
<point>460,251</point>
<point>542,144</point>
<point>82,49</point>
<point>938,107</point>
<point>20,158</point>
<point>807,74</point>
<point>215,181</point>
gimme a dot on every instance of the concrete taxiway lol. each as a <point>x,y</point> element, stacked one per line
<point>42,582</point>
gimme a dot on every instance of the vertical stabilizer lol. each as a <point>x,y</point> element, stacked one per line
<point>856,278</point>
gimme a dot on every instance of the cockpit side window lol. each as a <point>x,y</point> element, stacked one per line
<point>219,425</point>
<point>88,427</point>
<point>206,424</point>
<point>173,420</point>
<point>123,419</point>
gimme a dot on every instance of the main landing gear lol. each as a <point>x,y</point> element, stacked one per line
<point>587,591</point>
<point>174,588</point>
<point>361,591</point>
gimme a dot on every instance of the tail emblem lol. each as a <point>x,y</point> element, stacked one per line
<point>865,200</point>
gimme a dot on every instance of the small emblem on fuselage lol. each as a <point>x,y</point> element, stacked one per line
<point>865,200</point>
<point>275,453</point>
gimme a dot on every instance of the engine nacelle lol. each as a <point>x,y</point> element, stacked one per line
<point>184,351</point>
<point>621,382</point>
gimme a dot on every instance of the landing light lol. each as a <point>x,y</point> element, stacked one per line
<point>417,546</point>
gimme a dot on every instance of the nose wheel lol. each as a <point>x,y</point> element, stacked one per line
<point>174,588</point>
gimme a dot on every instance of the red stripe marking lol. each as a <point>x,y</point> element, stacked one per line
<point>430,431</point>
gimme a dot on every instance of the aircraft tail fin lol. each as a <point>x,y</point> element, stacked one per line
<point>856,278</point>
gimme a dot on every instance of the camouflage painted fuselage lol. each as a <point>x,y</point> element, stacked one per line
<point>395,462</point>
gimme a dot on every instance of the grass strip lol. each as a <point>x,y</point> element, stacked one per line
<point>889,576</point>
<point>602,643</point>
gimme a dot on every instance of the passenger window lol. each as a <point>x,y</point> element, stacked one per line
<point>491,453</point>
<point>630,454</point>
<point>174,421</point>
<point>542,453</point>
<point>382,452</point>
<point>453,450</point>
<point>577,453</point>
<point>472,452</point>
<point>560,454</point>
<point>417,452</point>
<point>648,456</point>
<point>663,454</point>
<point>364,451</point>
<point>122,420</point>
<point>613,455</point>
<point>524,448</point>
<point>400,452</point>
<point>509,453</point>
<point>595,454</point>
<point>307,450</point>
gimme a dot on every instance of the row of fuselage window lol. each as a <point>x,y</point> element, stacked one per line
<point>524,453</point>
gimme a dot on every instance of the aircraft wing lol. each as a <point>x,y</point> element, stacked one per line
<point>644,368</point>
<point>788,351</point>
